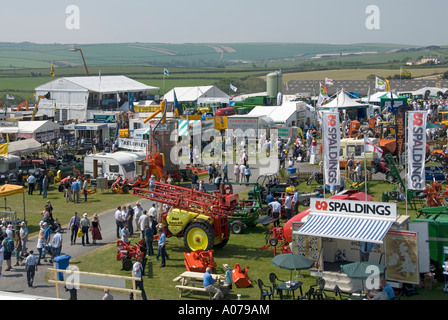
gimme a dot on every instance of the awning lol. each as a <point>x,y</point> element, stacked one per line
<point>24,147</point>
<point>346,227</point>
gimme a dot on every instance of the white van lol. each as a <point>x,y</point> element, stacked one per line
<point>111,165</point>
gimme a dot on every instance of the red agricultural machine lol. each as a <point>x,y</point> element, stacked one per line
<point>199,260</point>
<point>126,252</point>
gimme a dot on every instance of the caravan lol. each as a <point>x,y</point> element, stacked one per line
<point>111,165</point>
<point>355,147</point>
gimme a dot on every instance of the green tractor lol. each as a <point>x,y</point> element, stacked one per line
<point>247,211</point>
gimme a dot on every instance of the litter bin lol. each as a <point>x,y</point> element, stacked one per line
<point>292,170</point>
<point>62,263</point>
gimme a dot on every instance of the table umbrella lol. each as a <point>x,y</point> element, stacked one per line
<point>432,125</point>
<point>292,261</point>
<point>358,270</point>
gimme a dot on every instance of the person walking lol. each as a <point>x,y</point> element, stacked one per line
<point>17,247</point>
<point>288,206</point>
<point>161,252</point>
<point>138,210</point>
<point>218,181</point>
<point>95,228</point>
<point>2,252</point>
<point>242,169</point>
<point>194,180</point>
<point>40,244</point>
<point>149,237</point>
<point>247,173</point>
<point>30,268</point>
<point>118,220</point>
<point>8,244</point>
<point>44,187</point>
<point>31,184</point>
<point>85,188</point>
<point>68,190</point>
<point>125,234</point>
<point>74,226</point>
<point>142,222</point>
<point>23,236</point>
<point>76,190</point>
<point>225,171</point>
<point>85,225</point>
<point>137,269</point>
<point>57,242</point>
<point>236,172</point>
<point>130,219</point>
<point>152,224</point>
<point>276,208</point>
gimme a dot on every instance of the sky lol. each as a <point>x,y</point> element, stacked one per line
<point>412,22</point>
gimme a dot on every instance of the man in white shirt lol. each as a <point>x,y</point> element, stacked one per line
<point>119,221</point>
<point>138,211</point>
<point>242,169</point>
<point>288,204</point>
<point>155,212</point>
<point>276,208</point>
<point>30,268</point>
<point>57,242</point>
<point>31,183</point>
<point>142,222</point>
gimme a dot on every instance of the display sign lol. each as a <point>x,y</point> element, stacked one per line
<point>308,246</point>
<point>369,209</point>
<point>400,119</point>
<point>402,256</point>
<point>133,144</point>
<point>332,139</point>
<point>416,150</point>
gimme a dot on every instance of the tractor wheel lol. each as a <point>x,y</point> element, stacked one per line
<point>127,264</point>
<point>306,202</point>
<point>273,242</point>
<point>390,178</point>
<point>237,227</point>
<point>198,236</point>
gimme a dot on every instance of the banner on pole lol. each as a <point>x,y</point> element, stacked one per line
<point>332,139</point>
<point>416,150</point>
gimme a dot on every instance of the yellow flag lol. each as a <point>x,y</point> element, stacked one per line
<point>4,146</point>
<point>52,69</point>
<point>387,85</point>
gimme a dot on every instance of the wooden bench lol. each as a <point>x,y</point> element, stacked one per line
<point>191,288</point>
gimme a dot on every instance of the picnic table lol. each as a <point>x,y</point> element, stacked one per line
<point>193,281</point>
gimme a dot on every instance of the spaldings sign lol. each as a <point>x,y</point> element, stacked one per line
<point>352,207</point>
<point>331,140</point>
<point>416,150</point>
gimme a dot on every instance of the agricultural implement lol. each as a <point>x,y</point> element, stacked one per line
<point>199,260</point>
<point>200,218</point>
<point>126,252</point>
<point>240,277</point>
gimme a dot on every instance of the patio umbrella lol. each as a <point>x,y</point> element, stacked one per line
<point>432,125</point>
<point>359,270</point>
<point>292,261</point>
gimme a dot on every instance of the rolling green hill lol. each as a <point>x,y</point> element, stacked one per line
<point>29,55</point>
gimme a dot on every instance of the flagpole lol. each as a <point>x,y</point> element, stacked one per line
<point>405,162</point>
<point>365,169</point>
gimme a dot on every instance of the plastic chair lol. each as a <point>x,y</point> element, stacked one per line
<point>338,293</point>
<point>264,292</point>
<point>319,293</point>
<point>273,279</point>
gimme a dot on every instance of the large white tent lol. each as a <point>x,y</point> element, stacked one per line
<point>201,94</point>
<point>285,114</point>
<point>343,101</point>
<point>43,131</point>
<point>376,97</point>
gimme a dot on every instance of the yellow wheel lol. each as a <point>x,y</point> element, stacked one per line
<point>198,236</point>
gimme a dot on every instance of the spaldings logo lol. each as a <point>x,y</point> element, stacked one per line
<point>321,205</point>
<point>418,119</point>
<point>331,120</point>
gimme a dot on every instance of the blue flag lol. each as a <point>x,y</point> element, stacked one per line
<point>131,102</point>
